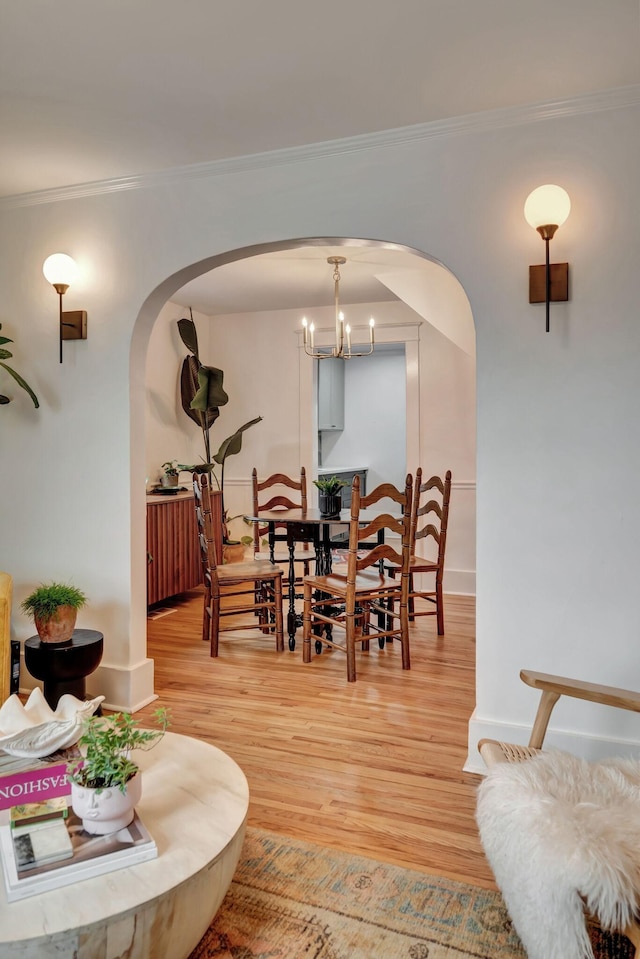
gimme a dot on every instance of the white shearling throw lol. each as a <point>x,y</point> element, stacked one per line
<point>560,832</point>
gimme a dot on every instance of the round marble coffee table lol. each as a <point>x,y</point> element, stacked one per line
<point>194,803</point>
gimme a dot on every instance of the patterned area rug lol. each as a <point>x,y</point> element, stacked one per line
<point>294,900</point>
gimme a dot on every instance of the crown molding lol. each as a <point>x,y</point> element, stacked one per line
<point>485,121</point>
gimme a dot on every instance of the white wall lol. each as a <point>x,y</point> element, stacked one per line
<point>259,354</point>
<point>557,412</point>
<point>374,434</point>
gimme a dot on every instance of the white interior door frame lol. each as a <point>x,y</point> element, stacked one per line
<point>406,334</point>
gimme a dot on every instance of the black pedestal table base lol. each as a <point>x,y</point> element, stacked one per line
<point>63,667</point>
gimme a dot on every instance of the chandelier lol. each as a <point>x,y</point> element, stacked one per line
<point>342,350</point>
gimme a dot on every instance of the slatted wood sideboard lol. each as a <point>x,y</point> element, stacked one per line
<point>173,554</point>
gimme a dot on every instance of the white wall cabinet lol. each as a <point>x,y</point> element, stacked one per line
<point>331,394</point>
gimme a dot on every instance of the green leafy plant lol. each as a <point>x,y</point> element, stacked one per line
<point>7,355</point>
<point>202,395</point>
<point>43,602</point>
<point>171,468</point>
<point>106,744</point>
<point>330,485</point>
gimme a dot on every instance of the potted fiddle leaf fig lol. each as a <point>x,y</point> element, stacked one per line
<point>105,781</point>
<point>54,608</point>
<point>330,495</point>
<point>202,394</point>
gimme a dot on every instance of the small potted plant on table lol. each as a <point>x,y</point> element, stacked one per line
<point>330,495</point>
<point>54,608</point>
<point>106,783</point>
<point>169,477</point>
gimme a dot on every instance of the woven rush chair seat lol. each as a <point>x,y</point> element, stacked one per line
<point>497,752</point>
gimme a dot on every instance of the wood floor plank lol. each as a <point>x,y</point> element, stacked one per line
<point>373,767</point>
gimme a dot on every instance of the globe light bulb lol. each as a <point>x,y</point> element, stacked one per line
<point>547,205</point>
<point>60,269</point>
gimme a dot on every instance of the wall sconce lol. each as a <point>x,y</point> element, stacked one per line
<point>61,270</point>
<point>545,210</point>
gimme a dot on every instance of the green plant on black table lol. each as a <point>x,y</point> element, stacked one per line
<point>106,744</point>
<point>43,602</point>
<point>330,485</point>
<point>171,468</point>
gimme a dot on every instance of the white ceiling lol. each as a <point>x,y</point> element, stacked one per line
<point>96,90</point>
<point>296,279</point>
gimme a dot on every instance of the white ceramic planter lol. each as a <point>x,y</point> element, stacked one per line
<point>106,810</point>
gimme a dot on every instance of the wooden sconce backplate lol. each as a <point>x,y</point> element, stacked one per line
<point>559,283</point>
<point>74,325</point>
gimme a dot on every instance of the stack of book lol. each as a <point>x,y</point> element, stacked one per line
<point>42,843</point>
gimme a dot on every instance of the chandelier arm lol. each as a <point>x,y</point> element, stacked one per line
<point>347,356</point>
<point>319,354</point>
<point>339,322</point>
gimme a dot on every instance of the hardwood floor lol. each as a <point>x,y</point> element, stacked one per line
<point>372,767</point>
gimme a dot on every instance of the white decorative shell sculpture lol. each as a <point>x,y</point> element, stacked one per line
<point>35,730</point>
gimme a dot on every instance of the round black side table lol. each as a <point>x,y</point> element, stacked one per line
<point>63,667</point>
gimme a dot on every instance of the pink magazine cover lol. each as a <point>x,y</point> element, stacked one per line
<point>34,785</point>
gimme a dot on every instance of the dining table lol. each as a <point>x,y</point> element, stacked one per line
<point>308,526</point>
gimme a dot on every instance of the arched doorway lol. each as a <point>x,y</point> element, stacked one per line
<point>425,307</point>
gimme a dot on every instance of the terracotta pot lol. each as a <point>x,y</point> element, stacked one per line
<point>106,810</point>
<point>233,553</point>
<point>59,627</point>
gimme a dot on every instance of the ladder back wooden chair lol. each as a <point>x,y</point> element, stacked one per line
<point>271,494</point>
<point>429,521</point>
<point>257,585</point>
<point>576,823</point>
<point>344,600</point>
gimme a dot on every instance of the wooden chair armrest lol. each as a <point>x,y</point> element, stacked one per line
<point>592,692</point>
<point>553,687</point>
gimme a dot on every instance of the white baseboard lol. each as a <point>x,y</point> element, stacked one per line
<point>124,689</point>
<point>458,582</point>
<point>588,747</point>
<point>462,582</point>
